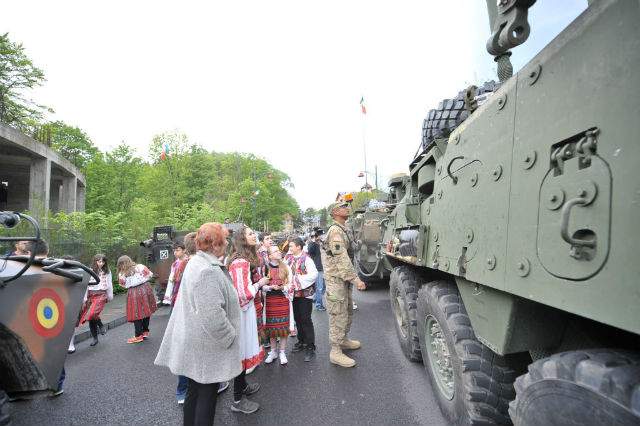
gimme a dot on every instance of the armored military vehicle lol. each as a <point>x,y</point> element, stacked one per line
<point>369,224</point>
<point>513,247</point>
<point>40,300</point>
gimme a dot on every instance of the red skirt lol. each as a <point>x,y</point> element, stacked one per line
<point>141,302</point>
<point>277,316</point>
<point>96,299</point>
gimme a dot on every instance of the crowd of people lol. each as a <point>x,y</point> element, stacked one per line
<point>233,308</point>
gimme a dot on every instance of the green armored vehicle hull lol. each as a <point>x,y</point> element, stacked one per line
<point>40,300</point>
<point>513,249</point>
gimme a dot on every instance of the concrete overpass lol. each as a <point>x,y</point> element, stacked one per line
<point>36,178</point>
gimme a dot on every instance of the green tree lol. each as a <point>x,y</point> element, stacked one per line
<point>17,75</point>
<point>112,180</point>
<point>72,143</point>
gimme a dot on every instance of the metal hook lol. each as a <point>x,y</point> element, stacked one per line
<point>454,179</point>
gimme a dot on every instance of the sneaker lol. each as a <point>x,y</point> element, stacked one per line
<point>355,306</point>
<point>283,358</point>
<point>223,387</point>
<point>245,406</point>
<point>270,357</point>
<point>310,354</point>
<point>181,400</point>
<point>297,347</point>
<point>71,350</point>
<point>138,339</point>
<point>250,370</point>
<point>251,389</point>
<point>320,308</point>
<point>145,334</point>
<point>57,393</point>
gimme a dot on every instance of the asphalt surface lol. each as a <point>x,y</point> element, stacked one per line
<point>118,384</point>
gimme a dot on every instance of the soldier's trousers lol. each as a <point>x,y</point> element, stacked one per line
<point>339,302</point>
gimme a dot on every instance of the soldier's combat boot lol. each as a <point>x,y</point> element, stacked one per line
<point>350,344</point>
<point>337,357</point>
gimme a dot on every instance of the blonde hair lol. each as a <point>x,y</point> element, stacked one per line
<point>283,271</point>
<point>125,265</point>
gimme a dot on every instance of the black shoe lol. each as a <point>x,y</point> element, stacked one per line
<point>310,353</point>
<point>101,328</point>
<point>95,341</point>
<point>298,347</point>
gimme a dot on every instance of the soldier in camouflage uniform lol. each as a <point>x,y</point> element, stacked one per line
<point>340,275</point>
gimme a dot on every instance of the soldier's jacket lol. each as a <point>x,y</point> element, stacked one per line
<point>336,254</point>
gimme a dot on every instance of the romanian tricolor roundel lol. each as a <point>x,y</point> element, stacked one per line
<point>46,312</point>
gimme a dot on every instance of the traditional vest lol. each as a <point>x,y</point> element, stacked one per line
<point>298,267</point>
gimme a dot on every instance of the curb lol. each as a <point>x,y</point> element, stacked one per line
<point>85,335</point>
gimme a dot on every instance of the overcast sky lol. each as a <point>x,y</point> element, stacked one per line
<point>281,79</point>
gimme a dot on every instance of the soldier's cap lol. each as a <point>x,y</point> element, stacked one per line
<point>336,205</point>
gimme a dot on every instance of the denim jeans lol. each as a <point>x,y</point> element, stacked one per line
<point>319,290</point>
<point>63,375</point>
<point>181,390</point>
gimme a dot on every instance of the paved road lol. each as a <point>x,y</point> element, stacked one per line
<point>116,384</point>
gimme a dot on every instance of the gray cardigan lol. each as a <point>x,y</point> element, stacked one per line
<point>201,339</point>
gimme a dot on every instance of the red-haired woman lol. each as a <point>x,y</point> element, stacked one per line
<point>202,340</point>
<point>242,267</point>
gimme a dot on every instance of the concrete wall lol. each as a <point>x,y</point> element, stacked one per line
<point>37,177</point>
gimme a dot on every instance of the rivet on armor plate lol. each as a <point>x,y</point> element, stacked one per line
<point>439,169</point>
<point>491,262</point>
<point>469,235</point>
<point>502,101</point>
<point>440,194</point>
<point>435,236</point>
<point>474,179</point>
<point>554,198</point>
<point>456,139</point>
<point>497,172</point>
<point>523,267</point>
<point>529,160</point>
<point>534,74</point>
<point>445,265</point>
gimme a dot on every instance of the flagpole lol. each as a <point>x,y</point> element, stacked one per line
<point>364,142</point>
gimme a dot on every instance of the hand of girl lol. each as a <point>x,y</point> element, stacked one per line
<point>263,281</point>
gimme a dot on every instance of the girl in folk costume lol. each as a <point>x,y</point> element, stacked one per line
<point>141,302</point>
<point>97,295</point>
<point>278,296</point>
<point>242,266</point>
<point>303,283</point>
<point>177,268</point>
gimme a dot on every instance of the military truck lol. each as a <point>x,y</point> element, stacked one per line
<point>514,244</point>
<point>40,300</point>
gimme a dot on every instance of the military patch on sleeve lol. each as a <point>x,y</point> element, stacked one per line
<point>336,247</point>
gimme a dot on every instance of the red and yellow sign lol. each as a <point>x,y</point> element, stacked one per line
<point>46,312</point>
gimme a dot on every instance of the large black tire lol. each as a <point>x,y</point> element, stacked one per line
<point>587,387</point>
<point>482,381</point>
<point>441,121</point>
<point>403,292</point>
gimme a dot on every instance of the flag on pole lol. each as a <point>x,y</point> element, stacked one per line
<point>165,151</point>
<point>364,109</point>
